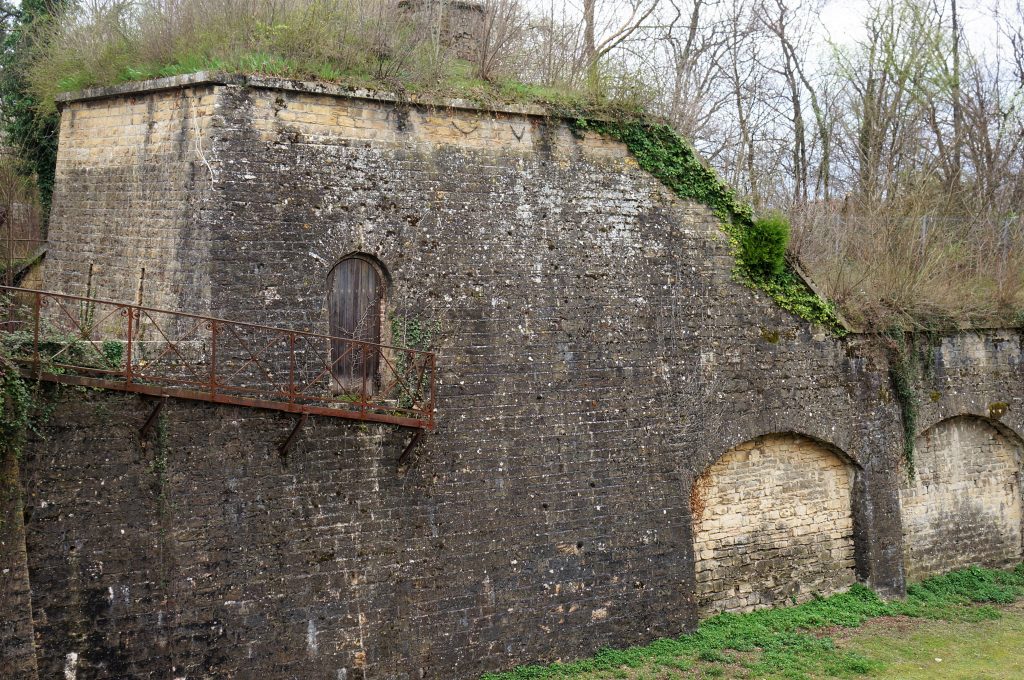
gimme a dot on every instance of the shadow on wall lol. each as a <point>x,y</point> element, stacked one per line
<point>773,525</point>
<point>964,505</point>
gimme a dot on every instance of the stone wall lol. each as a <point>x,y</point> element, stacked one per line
<point>773,525</point>
<point>17,649</point>
<point>963,506</point>
<point>134,175</point>
<point>595,357</point>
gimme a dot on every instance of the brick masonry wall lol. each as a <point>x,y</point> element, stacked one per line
<point>132,173</point>
<point>595,355</point>
<point>199,552</point>
<point>773,525</point>
<point>17,636</point>
<point>963,506</point>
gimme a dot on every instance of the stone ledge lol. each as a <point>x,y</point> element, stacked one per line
<point>288,85</point>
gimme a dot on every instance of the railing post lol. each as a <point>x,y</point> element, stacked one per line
<point>128,349</point>
<point>433,388</point>
<point>364,395</point>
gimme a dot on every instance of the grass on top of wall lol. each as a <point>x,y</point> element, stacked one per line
<point>783,642</point>
<point>357,43</point>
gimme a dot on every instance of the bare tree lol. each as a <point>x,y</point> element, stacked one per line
<point>501,32</point>
<point>607,24</point>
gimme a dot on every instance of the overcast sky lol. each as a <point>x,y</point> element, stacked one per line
<point>843,20</point>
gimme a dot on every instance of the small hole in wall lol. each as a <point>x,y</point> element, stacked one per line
<point>544,505</point>
<point>579,545</point>
<point>592,485</point>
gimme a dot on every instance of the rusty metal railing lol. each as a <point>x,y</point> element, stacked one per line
<point>112,345</point>
<point>21,236</point>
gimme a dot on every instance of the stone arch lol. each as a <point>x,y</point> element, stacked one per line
<point>963,507</point>
<point>772,524</point>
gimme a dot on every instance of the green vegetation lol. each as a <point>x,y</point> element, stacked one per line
<point>661,151</point>
<point>944,650</point>
<point>789,642</point>
<point>30,122</point>
<point>358,43</point>
<point>904,373</point>
<point>763,246</point>
<point>16,409</point>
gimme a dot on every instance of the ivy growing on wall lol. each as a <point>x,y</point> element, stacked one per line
<point>18,405</point>
<point>31,132</point>
<point>661,151</point>
<point>904,372</point>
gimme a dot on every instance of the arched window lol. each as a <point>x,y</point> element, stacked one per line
<point>355,297</point>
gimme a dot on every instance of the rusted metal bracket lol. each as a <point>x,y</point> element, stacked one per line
<point>403,460</point>
<point>286,447</point>
<point>147,427</point>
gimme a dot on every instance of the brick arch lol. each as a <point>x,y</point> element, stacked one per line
<point>746,427</point>
<point>963,507</point>
<point>773,524</point>
<point>1012,427</point>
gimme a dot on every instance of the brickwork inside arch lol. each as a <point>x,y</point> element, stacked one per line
<point>963,506</point>
<point>772,525</point>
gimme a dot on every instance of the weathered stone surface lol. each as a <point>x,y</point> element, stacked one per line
<point>124,225</point>
<point>773,525</point>
<point>963,506</point>
<point>595,355</point>
<point>17,650</point>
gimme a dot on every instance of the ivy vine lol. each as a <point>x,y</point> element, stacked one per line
<point>661,151</point>
<point>904,373</point>
<point>16,414</point>
<point>413,334</point>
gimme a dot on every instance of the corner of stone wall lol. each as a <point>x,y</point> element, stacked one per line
<point>17,633</point>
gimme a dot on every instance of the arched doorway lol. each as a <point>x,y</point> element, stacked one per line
<point>356,289</point>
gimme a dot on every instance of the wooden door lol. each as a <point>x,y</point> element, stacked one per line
<point>354,305</point>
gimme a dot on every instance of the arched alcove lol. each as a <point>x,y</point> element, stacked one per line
<point>772,525</point>
<point>963,506</point>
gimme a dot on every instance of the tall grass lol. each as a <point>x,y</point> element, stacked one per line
<point>887,269</point>
<point>102,42</point>
<point>373,43</point>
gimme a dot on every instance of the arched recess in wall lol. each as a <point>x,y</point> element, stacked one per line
<point>356,294</point>
<point>772,524</point>
<point>963,507</point>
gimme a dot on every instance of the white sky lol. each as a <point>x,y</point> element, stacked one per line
<point>843,21</point>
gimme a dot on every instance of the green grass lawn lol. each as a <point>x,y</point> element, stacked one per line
<point>968,619</point>
<point>912,649</point>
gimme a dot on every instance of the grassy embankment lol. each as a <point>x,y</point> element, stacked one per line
<point>958,618</point>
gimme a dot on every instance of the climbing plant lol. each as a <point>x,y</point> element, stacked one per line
<point>903,370</point>
<point>17,409</point>
<point>414,334</point>
<point>756,245</point>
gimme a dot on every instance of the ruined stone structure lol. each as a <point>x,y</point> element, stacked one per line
<point>628,439</point>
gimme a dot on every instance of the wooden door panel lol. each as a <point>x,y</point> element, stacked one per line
<point>354,302</point>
